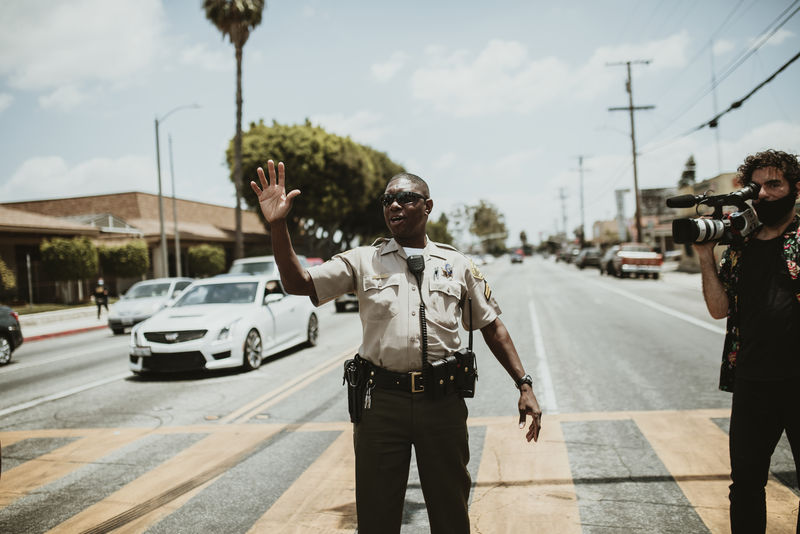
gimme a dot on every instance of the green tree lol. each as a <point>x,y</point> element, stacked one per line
<point>128,260</point>
<point>69,259</point>
<point>8,282</point>
<point>206,260</point>
<point>488,225</point>
<point>437,230</point>
<point>688,175</point>
<point>236,19</point>
<point>340,181</point>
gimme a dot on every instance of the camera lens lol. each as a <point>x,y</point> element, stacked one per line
<point>697,230</point>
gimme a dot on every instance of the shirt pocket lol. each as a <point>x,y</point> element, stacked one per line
<point>382,296</point>
<point>444,298</point>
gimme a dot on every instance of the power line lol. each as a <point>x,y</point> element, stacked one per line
<point>737,104</point>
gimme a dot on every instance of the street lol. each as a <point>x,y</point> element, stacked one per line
<point>634,433</point>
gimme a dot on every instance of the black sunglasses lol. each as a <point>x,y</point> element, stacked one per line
<point>403,197</point>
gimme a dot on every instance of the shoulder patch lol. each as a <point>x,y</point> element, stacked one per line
<point>475,271</point>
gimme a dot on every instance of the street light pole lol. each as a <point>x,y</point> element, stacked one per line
<point>175,213</point>
<point>164,263</point>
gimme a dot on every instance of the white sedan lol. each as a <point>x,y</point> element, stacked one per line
<point>228,321</point>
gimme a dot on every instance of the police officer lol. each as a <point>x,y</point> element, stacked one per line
<point>397,413</point>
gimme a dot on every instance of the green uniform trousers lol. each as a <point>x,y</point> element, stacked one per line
<point>438,431</point>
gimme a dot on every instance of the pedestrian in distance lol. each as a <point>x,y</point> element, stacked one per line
<point>757,288</point>
<point>101,296</point>
<point>408,382</point>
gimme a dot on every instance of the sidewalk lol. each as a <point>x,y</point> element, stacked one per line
<point>37,326</point>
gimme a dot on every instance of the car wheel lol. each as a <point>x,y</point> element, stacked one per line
<point>118,331</point>
<point>5,350</point>
<point>313,330</point>
<point>251,351</point>
<point>655,276</point>
<point>340,307</point>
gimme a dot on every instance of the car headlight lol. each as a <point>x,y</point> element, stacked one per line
<point>225,332</point>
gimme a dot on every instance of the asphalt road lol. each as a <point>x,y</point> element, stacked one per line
<point>634,434</point>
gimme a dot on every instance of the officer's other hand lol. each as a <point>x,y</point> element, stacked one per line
<point>272,197</point>
<point>528,405</point>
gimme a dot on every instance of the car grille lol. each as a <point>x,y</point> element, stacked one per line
<point>178,361</point>
<point>174,337</point>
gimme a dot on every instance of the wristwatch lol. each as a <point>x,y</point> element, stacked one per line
<point>525,380</point>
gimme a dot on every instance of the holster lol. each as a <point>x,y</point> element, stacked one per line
<point>355,376</point>
<point>467,372</point>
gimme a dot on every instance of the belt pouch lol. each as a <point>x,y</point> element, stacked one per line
<point>467,373</point>
<point>434,379</point>
<point>355,378</point>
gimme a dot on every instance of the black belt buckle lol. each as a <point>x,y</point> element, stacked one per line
<point>417,382</point>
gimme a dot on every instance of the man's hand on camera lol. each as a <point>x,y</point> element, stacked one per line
<point>272,197</point>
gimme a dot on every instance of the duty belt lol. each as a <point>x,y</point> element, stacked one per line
<point>386,379</point>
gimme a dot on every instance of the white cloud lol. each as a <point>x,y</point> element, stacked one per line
<point>64,98</point>
<point>504,78</point>
<point>49,45</point>
<point>500,78</point>
<point>778,38</point>
<point>52,177</point>
<point>383,72</point>
<point>363,127</point>
<point>213,60</point>
<point>723,46</point>
<point>309,11</point>
<point>5,101</point>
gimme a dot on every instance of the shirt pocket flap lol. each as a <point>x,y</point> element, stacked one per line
<point>382,281</point>
<point>449,288</point>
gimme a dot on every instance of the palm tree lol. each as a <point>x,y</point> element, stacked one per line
<point>236,19</point>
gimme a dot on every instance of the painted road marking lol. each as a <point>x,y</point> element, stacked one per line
<point>517,484</point>
<point>543,376</point>
<point>62,394</point>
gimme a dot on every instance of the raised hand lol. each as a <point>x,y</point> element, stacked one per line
<point>272,197</point>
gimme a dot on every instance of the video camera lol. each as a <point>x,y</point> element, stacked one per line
<point>725,228</point>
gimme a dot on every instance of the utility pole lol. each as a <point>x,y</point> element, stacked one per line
<point>583,222</point>
<point>715,124</point>
<point>562,195</point>
<point>631,108</point>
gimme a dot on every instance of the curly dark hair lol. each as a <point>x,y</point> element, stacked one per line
<point>786,163</point>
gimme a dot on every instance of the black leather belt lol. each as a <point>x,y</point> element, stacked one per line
<point>386,379</point>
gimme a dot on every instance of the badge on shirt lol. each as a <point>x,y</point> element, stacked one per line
<point>447,271</point>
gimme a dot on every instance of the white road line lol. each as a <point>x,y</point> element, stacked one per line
<point>28,364</point>
<point>62,394</point>
<point>664,309</point>
<point>543,378</point>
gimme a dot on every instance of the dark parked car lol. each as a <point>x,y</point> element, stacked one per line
<point>588,257</point>
<point>10,333</point>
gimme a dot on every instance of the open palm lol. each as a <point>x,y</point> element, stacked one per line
<point>272,197</point>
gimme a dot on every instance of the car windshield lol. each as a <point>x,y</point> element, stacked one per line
<point>143,291</point>
<point>223,293</point>
<point>255,267</point>
<point>636,248</point>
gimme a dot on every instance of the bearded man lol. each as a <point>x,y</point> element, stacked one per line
<point>758,289</point>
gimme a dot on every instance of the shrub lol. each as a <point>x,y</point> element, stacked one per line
<point>206,260</point>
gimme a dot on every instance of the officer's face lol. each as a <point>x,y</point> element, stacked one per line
<point>406,221</point>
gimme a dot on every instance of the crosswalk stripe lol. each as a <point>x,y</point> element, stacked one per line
<point>695,451</point>
<point>24,478</point>
<point>521,485</point>
<point>323,499</point>
<point>189,469</point>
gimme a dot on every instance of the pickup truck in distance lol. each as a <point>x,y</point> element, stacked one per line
<point>632,259</point>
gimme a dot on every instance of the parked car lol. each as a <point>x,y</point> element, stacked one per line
<point>222,322</point>
<point>342,302</point>
<point>142,300</point>
<point>262,265</point>
<point>10,333</point>
<point>588,257</point>
<point>632,259</point>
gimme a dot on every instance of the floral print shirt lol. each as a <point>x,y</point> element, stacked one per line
<point>730,272</point>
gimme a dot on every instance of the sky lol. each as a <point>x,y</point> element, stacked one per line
<point>491,101</point>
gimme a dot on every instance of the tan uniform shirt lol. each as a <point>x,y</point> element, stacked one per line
<point>388,300</point>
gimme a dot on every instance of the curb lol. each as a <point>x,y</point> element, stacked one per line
<point>63,333</point>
